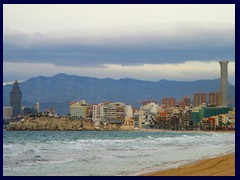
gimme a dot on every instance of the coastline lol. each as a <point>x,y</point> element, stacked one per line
<point>45,123</point>
<point>185,131</point>
<point>145,152</point>
<point>218,166</point>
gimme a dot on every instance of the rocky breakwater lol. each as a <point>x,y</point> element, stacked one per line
<point>58,124</point>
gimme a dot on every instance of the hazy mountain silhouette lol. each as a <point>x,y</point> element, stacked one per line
<point>57,91</point>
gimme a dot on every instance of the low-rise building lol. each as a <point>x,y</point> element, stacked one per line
<point>206,112</point>
<point>231,118</point>
<point>29,111</point>
<point>7,112</point>
<point>213,111</point>
<point>128,124</point>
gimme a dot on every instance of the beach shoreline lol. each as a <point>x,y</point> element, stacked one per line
<point>185,131</point>
<point>217,166</point>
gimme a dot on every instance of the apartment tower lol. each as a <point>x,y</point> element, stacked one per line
<point>199,99</point>
<point>224,83</point>
<point>214,99</point>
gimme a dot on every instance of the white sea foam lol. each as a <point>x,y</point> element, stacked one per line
<point>107,153</point>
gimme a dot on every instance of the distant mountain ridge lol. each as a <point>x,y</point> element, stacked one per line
<point>57,91</point>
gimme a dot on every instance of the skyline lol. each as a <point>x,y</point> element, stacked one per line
<point>145,42</point>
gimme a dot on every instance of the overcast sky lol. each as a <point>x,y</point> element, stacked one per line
<point>147,42</point>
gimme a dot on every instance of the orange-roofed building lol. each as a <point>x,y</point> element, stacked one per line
<point>163,116</point>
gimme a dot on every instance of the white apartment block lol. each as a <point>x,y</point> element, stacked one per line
<point>151,107</point>
<point>116,111</point>
<point>7,112</point>
<point>138,118</point>
<point>99,112</point>
<point>111,111</point>
<point>128,112</point>
<point>79,109</point>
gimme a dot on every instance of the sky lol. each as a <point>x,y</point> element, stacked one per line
<point>146,42</point>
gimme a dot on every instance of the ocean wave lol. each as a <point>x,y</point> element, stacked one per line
<point>130,152</point>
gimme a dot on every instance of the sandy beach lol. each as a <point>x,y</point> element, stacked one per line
<point>219,166</point>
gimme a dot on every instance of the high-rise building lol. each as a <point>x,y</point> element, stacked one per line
<point>214,99</point>
<point>199,99</point>
<point>169,102</point>
<point>16,99</point>
<point>224,83</point>
<point>186,101</point>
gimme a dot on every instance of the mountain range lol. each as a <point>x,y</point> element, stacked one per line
<point>57,91</point>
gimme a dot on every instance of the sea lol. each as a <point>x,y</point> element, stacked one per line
<point>107,153</point>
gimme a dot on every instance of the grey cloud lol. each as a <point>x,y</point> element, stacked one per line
<point>176,44</point>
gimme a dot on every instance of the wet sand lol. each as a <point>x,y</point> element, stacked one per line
<point>219,166</point>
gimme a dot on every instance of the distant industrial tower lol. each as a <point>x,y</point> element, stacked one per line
<point>224,83</point>
<point>16,99</point>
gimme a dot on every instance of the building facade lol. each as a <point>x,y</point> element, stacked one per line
<point>151,107</point>
<point>148,120</point>
<point>169,102</point>
<point>128,112</point>
<point>116,112</point>
<point>207,112</point>
<point>187,119</point>
<point>224,83</point>
<point>186,101</point>
<point>79,110</point>
<point>16,99</point>
<point>214,99</point>
<point>7,112</point>
<point>199,99</point>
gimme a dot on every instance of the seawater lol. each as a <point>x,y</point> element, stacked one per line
<point>103,153</point>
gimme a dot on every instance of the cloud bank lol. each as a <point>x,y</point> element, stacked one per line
<point>149,42</point>
<point>127,45</point>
